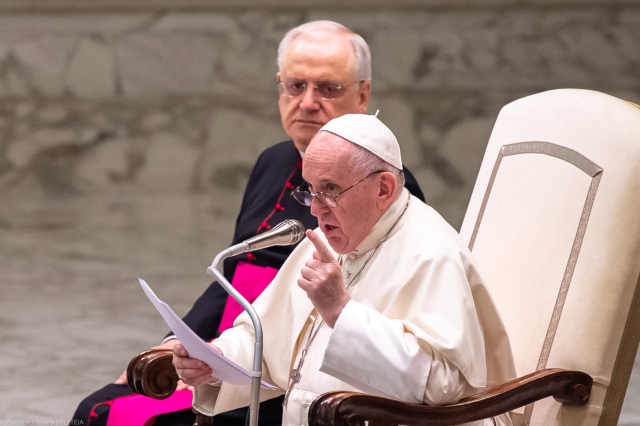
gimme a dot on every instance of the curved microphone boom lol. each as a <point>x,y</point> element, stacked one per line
<point>285,233</point>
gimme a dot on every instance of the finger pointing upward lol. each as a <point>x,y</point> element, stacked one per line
<point>321,248</point>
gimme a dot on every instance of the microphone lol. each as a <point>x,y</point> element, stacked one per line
<point>287,232</point>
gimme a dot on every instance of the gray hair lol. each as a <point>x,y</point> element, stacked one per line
<point>316,28</point>
<point>366,161</point>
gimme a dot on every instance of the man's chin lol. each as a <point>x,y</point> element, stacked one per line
<point>335,238</point>
<point>337,244</point>
<point>305,130</point>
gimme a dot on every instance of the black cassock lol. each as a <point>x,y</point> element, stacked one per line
<point>267,201</point>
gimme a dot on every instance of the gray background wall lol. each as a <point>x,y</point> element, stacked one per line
<point>180,102</point>
<point>128,130</point>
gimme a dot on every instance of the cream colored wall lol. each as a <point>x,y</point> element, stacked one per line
<point>107,98</point>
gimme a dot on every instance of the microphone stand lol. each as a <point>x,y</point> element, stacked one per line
<point>285,233</point>
<point>257,326</point>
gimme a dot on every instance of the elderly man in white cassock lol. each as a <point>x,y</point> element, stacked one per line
<point>383,297</point>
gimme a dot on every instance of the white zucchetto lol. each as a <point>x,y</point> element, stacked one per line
<point>368,132</point>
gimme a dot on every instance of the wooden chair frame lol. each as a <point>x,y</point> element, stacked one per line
<point>152,374</point>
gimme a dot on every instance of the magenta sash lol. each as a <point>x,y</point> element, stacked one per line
<point>250,280</point>
<point>138,410</point>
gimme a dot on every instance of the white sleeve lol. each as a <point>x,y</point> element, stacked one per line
<point>170,337</point>
<point>445,385</point>
<point>377,355</point>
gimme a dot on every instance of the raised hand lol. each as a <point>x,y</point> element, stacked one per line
<point>321,279</point>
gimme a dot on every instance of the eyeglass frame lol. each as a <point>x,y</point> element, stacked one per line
<point>326,194</point>
<point>316,85</point>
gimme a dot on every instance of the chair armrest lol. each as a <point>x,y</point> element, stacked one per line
<point>151,373</point>
<point>352,409</point>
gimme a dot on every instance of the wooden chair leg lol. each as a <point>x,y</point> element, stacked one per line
<point>201,419</point>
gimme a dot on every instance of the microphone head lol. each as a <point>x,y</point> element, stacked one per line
<point>285,233</point>
<point>296,230</point>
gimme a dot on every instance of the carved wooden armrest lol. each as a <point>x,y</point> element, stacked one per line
<point>352,409</point>
<point>152,374</point>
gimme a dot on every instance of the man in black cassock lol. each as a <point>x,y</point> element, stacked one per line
<point>324,72</point>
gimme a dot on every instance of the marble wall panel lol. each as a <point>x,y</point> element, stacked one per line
<point>169,163</point>
<point>45,60</point>
<point>14,82</point>
<point>156,64</point>
<point>397,113</point>
<point>20,25</point>
<point>92,70</point>
<point>393,56</point>
<point>107,163</point>
<point>228,162</point>
<point>103,103</point>
<point>207,22</point>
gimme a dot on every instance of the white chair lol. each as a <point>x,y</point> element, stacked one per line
<point>554,224</point>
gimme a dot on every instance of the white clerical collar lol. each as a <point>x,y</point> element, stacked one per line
<point>383,224</point>
<point>301,154</point>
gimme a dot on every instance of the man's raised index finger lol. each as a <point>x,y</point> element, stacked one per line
<point>321,247</point>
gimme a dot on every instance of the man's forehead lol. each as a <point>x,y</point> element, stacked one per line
<point>320,41</point>
<point>328,145</point>
<point>329,57</point>
<point>326,157</point>
<point>319,178</point>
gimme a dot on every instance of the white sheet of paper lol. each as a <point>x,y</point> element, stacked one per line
<point>221,367</point>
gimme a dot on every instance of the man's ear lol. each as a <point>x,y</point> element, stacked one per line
<point>364,95</point>
<point>386,190</point>
<point>278,77</point>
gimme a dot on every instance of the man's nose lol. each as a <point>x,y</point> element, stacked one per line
<point>310,99</point>
<point>317,208</point>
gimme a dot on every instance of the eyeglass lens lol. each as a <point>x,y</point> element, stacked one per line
<point>326,89</point>
<point>306,198</point>
<point>303,197</point>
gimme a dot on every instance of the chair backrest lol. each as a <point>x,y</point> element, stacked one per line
<point>554,223</point>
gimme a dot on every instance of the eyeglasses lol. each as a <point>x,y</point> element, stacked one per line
<point>328,90</point>
<point>305,197</point>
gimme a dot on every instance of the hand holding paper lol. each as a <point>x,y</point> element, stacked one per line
<point>198,350</point>
<point>192,371</point>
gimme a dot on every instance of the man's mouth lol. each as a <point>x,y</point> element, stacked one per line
<point>311,122</point>
<point>328,228</point>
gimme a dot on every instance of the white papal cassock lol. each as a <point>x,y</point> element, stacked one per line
<point>420,326</point>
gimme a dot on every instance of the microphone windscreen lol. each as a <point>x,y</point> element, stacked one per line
<point>285,233</point>
<point>297,230</point>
